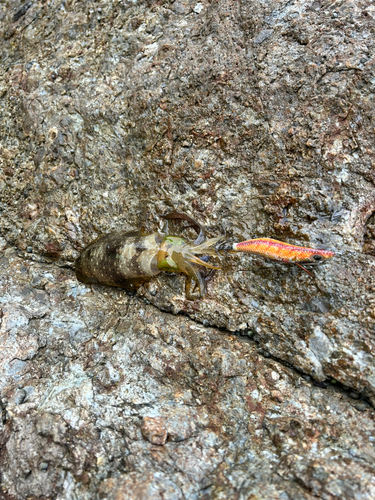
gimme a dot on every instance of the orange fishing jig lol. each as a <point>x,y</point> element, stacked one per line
<point>283,252</point>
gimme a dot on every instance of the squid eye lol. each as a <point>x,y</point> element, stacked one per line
<point>317,257</point>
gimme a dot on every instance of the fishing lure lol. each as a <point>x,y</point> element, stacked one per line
<point>129,259</point>
<point>279,251</point>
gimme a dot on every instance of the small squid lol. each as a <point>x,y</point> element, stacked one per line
<point>129,259</point>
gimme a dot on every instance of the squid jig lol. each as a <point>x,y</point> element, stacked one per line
<point>129,259</point>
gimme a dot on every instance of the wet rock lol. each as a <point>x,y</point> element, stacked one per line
<point>153,429</point>
<point>256,120</point>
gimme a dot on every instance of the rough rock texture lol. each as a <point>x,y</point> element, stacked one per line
<point>256,118</point>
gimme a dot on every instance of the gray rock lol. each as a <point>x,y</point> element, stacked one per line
<point>256,120</point>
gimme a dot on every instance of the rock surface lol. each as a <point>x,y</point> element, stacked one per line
<point>256,118</point>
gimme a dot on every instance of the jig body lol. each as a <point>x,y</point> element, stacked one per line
<point>129,259</point>
<point>281,252</point>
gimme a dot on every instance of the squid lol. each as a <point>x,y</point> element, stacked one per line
<point>129,259</point>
